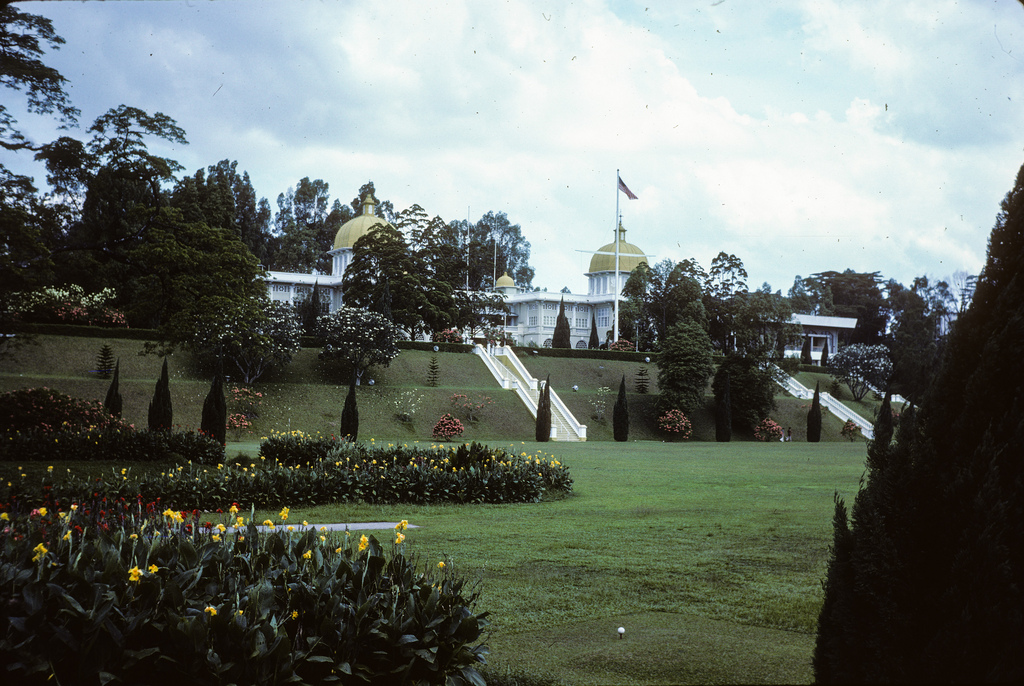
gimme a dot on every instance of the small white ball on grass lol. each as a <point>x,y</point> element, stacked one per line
<point>622,632</point>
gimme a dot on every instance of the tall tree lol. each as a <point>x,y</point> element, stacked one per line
<point>562,337</point>
<point>930,586</point>
<point>497,246</point>
<point>349,428</point>
<point>620,414</point>
<point>113,402</point>
<point>161,413</point>
<point>359,338</point>
<point>306,223</point>
<point>751,389</point>
<point>543,428</point>
<point>853,294</point>
<point>215,411</point>
<point>684,367</point>
<point>595,342</point>
<point>725,282</point>
<point>814,417</point>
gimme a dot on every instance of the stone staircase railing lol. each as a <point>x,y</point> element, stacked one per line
<point>509,371</point>
<point>835,407</point>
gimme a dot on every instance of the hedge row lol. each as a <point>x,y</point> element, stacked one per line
<point>122,444</point>
<point>87,331</point>
<point>587,354</point>
<point>135,596</point>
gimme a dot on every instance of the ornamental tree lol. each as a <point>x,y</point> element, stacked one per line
<point>161,416</point>
<point>861,367</point>
<point>359,338</point>
<point>254,335</point>
<point>112,403</point>
<point>814,417</point>
<point>350,415</point>
<point>562,337</point>
<point>684,367</point>
<point>215,412</point>
<point>543,428</point>
<point>620,414</point>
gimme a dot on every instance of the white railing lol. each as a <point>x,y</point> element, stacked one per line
<point>835,407</point>
<point>563,423</point>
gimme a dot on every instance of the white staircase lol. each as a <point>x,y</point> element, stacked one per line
<point>837,408</point>
<point>512,375</point>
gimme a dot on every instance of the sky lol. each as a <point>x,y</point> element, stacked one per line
<point>800,136</point>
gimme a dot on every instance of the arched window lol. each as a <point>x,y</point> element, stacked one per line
<point>547,342</point>
<point>581,345</point>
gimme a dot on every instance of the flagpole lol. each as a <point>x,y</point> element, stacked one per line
<point>615,334</point>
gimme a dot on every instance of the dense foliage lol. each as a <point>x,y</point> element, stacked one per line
<point>120,443</point>
<point>862,368</point>
<point>44,410</point>
<point>814,417</point>
<point>620,414</point>
<point>924,580</point>
<point>751,389</point>
<point>100,592</point>
<point>684,367</point>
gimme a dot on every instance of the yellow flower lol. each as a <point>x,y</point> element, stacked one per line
<point>4,517</point>
<point>42,512</point>
<point>440,565</point>
<point>291,528</point>
<point>402,525</point>
<point>295,614</point>
<point>221,528</point>
<point>305,523</point>
<point>210,610</point>
<point>233,510</point>
<point>267,523</point>
<point>39,550</point>
<point>67,535</point>
<point>399,538</point>
<point>323,538</point>
<point>153,569</point>
<point>338,549</point>
<point>215,537</point>
<point>363,542</point>
<point>133,536</point>
<point>134,574</point>
<point>306,555</point>
<point>74,507</point>
<point>240,522</point>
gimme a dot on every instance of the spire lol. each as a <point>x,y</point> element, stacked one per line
<point>369,203</point>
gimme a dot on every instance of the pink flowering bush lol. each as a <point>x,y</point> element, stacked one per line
<point>767,430</point>
<point>675,423</point>
<point>850,431</point>
<point>245,400</point>
<point>621,345</point>
<point>43,409</point>
<point>447,336</point>
<point>447,428</point>
<point>238,424</point>
<point>71,305</point>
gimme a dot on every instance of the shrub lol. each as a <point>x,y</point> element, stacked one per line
<point>620,414</point>
<point>117,443</point>
<point>69,305</point>
<point>245,400</point>
<point>238,424</point>
<point>469,408</point>
<point>675,423</point>
<point>405,405</point>
<point>768,430</point>
<point>43,409</point>
<point>349,427</point>
<point>161,414</point>
<point>447,428</point>
<point>850,431</point>
<point>215,420</point>
<point>108,597</point>
<point>447,336</point>
<point>105,361</point>
<point>621,345</point>
<point>113,402</point>
<point>297,448</point>
<point>814,417</point>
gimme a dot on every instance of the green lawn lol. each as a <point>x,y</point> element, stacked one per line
<point>710,555</point>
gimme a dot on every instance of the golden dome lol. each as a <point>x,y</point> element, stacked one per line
<point>505,282</point>
<point>354,229</point>
<point>630,256</point>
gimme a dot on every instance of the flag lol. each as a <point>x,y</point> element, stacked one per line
<point>629,194</point>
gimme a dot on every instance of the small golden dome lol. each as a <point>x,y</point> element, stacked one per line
<point>505,281</point>
<point>354,229</point>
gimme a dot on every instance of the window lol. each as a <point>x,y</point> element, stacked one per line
<point>549,320</point>
<point>581,322</point>
<point>603,316</point>
<point>533,320</point>
<point>580,345</point>
<point>547,343</point>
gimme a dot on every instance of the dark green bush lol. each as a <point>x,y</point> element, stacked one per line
<point>44,409</point>
<point>163,600</point>
<point>123,444</point>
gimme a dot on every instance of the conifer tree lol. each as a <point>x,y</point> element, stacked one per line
<point>814,417</point>
<point>595,342</point>
<point>112,403</point>
<point>805,352</point>
<point>432,372</point>
<point>931,588</point>
<point>824,354</point>
<point>562,337</point>
<point>620,414</point>
<point>161,415</point>
<point>723,411</point>
<point>105,361</point>
<point>350,415</point>
<point>543,429</point>
<point>643,380</point>
<point>215,412</point>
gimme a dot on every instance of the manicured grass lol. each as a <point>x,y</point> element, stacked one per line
<point>711,555</point>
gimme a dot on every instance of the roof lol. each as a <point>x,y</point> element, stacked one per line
<point>630,256</point>
<point>505,281</point>
<point>831,322</point>
<point>354,229</point>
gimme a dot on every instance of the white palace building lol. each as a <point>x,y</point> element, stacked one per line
<point>532,314</point>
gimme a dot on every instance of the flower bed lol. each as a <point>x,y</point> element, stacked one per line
<point>136,596</point>
<point>347,473</point>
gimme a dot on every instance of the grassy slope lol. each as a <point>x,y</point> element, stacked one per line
<point>308,395</point>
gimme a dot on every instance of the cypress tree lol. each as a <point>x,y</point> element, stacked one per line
<point>112,403</point>
<point>215,412</point>
<point>350,415</point>
<point>814,417</point>
<point>432,371</point>
<point>161,415</point>
<point>562,337</point>
<point>937,552</point>
<point>595,342</point>
<point>620,414</point>
<point>543,429</point>
<point>805,352</point>
<point>824,354</point>
<point>105,361</point>
<point>723,411</point>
